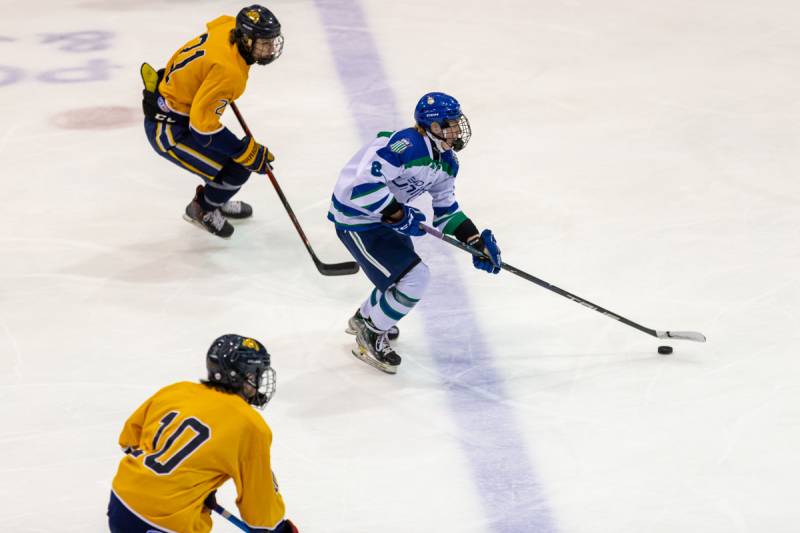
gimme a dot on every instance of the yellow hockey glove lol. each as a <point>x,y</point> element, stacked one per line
<point>254,157</point>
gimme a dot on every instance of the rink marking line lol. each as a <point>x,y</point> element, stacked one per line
<point>506,482</point>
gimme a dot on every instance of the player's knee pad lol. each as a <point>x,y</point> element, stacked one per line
<point>233,174</point>
<point>414,282</point>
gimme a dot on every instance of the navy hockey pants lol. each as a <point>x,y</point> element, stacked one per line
<point>383,254</point>
<point>176,144</point>
<point>123,520</point>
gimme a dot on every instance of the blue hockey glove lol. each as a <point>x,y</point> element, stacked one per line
<point>409,224</point>
<point>490,260</point>
<point>254,157</point>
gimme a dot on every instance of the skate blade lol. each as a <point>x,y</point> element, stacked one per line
<point>193,222</point>
<point>364,356</point>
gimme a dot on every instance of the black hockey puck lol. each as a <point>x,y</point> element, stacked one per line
<point>665,350</point>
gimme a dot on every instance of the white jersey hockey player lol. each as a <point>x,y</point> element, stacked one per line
<point>373,218</point>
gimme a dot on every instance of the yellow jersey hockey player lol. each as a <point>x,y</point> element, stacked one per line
<point>183,104</point>
<point>185,441</point>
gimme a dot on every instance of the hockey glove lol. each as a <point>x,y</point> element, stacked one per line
<point>490,260</point>
<point>284,527</point>
<point>254,157</point>
<point>409,224</point>
<point>210,502</point>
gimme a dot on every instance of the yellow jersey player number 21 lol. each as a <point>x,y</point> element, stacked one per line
<point>187,439</point>
<point>183,104</point>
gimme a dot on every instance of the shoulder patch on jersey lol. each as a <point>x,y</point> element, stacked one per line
<point>408,144</point>
<point>400,146</point>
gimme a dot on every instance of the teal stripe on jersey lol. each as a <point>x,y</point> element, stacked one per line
<point>372,201</point>
<point>379,204</point>
<point>454,222</point>
<point>346,209</point>
<point>428,162</point>
<point>352,227</point>
<point>365,188</point>
<point>438,221</point>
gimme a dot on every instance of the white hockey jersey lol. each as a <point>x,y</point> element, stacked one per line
<point>396,165</point>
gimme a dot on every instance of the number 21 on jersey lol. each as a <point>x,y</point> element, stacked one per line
<point>181,61</point>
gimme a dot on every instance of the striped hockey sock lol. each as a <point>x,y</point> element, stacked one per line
<point>385,309</point>
<point>228,182</point>
<point>217,194</point>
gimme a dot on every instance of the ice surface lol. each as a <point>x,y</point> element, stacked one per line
<point>640,154</point>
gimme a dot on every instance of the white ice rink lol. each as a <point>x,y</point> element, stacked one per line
<point>642,154</point>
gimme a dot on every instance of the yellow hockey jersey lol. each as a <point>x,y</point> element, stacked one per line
<point>186,441</point>
<point>204,76</point>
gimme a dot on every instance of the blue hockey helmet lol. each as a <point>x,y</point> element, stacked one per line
<point>444,110</point>
<point>258,35</point>
<point>241,365</point>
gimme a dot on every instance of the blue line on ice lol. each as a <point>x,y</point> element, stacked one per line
<point>492,442</point>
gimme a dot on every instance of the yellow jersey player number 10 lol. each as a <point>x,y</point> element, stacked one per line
<point>186,440</point>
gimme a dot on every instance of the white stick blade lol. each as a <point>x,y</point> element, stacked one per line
<point>684,335</point>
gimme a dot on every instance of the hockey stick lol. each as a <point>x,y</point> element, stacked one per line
<point>326,269</point>
<point>685,335</point>
<point>233,519</point>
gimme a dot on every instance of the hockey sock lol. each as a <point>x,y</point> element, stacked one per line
<point>387,308</point>
<point>369,303</point>
<point>205,205</point>
<point>228,182</point>
<point>217,194</point>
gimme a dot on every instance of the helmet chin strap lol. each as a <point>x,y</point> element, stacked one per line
<point>436,140</point>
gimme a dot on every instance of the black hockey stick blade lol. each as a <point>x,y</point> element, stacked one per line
<point>336,269</point>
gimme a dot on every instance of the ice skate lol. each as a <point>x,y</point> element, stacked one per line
<point>393,332</point>
<point>373,347</point>
<point>211,221</point>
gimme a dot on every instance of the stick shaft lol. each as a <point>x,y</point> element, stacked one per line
<point>233,519</point>
<point>561,292</point>
<point>274,181</point>
<point>324,268</point>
